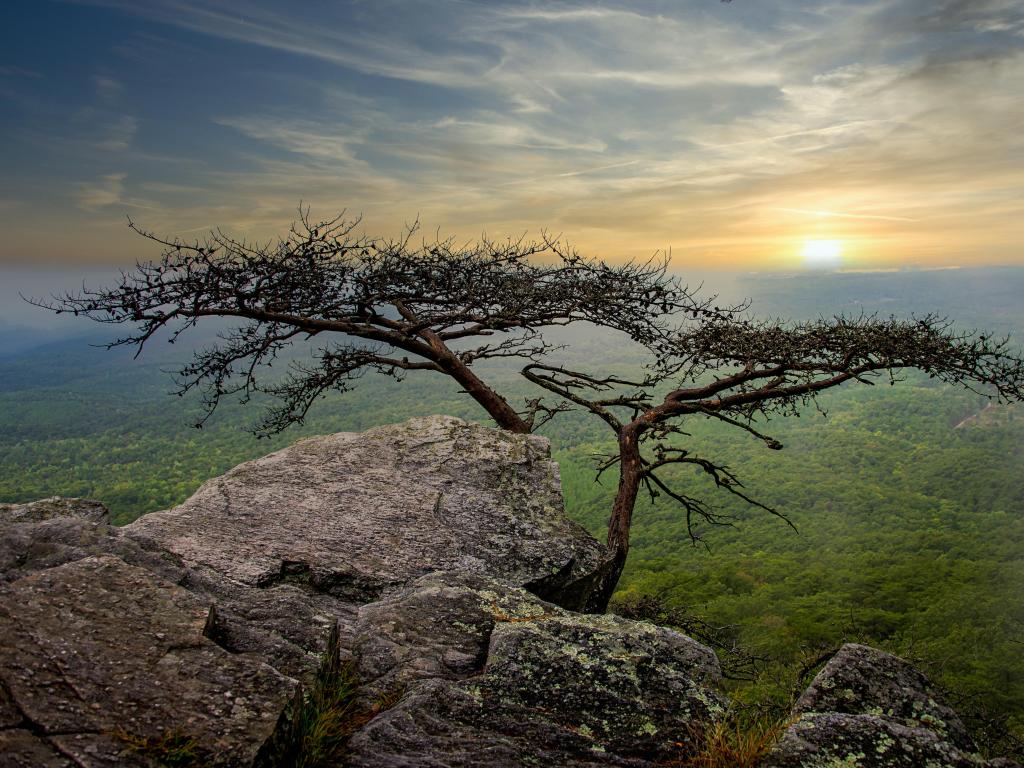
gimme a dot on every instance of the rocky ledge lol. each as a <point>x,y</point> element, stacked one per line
<point>433,562</point>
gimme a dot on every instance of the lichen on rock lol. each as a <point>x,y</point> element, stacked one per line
<point>870,709</point>
<point>524,681</point>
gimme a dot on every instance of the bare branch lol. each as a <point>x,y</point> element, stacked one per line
<point>413,299</point>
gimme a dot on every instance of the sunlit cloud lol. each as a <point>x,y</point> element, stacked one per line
<point>107,190</point>
<point>838,214</point>
<point>732,133</point>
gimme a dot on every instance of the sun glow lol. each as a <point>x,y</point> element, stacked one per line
<point>822,254</point>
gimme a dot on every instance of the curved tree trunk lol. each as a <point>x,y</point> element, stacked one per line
<point>503,414</point>
<point>622,516</point>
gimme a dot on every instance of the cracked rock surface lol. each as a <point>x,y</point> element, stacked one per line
<point>100,656</point>
<point>356,515</point>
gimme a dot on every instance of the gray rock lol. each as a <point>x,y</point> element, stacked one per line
<point>838,740</point>
<point>358,515</point>
<point>489,674</point>
<point>870,709</point>
<point>22,749</point>
<point>101,660</point>
<point>283,625</point>
<point>860,680</point>
<point>28,547</point>
<point>55,506</point>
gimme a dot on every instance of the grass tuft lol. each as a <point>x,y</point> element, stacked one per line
<point>172,749</point>
<point>328,716</point>
<point>738,740</point>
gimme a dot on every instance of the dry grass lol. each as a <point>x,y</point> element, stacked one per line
<point>738,740</point>
<point>172,749</point>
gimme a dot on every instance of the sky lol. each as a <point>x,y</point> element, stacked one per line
<point>751,135</point>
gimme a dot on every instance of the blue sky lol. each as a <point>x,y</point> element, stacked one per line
<point>741,135</point>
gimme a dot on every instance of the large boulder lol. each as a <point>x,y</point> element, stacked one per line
<point>860,680</point>
<point>105,664</point>
<point>356,515</point>
<point>485,674</point>
<point>870,709</point>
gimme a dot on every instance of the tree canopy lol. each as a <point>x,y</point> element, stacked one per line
<point>396,306</point>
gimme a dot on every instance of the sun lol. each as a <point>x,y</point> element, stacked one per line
<point>822,254</point>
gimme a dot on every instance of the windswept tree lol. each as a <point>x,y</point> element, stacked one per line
<point>742,371</point>
<point>387,305</point>
<point>393,306</point>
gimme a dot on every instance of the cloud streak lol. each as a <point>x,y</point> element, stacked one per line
<point>731,132</point>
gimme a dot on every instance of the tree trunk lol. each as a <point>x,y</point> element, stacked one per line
<point>503,414</point>
<point>625,497</point>
<point>622,517</point>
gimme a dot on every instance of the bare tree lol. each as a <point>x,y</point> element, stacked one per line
<point>397,306</point>
<point>741,371</point>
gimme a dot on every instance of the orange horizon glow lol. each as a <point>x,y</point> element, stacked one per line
<point>769,238</point>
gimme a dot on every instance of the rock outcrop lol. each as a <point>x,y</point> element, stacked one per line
<point>55,506</point>
<point>101,659</point>
<point>433,556</point>
<point>433,562</point>
<point>870,709</point>
<point>356,515</point>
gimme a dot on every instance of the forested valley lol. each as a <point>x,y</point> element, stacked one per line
<point>906,501</point>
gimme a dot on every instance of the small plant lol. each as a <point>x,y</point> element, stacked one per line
<point>328,716</point>
<point>172,749</point>
<point>741,739</point>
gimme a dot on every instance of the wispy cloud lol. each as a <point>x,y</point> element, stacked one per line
<point>107,190</point>
<point>118,133</point>
<point>8,70</point>
<point>841,215</point>
<point>107,88</point>
<point>301,136</point>
<point>730,131</point>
